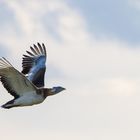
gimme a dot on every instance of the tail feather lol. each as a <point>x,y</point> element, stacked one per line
<point>8,105</point>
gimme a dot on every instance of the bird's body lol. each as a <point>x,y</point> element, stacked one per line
<point>27,90</point>
<point>30,98</point>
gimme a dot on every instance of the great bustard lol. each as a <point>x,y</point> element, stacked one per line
<point>27,87</point>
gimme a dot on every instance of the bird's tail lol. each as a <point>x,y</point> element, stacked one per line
<point>8,105</point>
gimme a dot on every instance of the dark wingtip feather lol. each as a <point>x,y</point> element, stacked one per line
<point>44,48</point>
<point>29,53</point>
<point>28,60</point>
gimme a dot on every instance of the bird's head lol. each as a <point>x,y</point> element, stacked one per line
<point>56,90</point>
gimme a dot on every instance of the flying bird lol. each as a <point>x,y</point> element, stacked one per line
<point>27,87</point>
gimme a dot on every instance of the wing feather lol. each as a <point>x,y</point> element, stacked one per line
<point>41,49</point>
<point>30,53</point>
<point>14,81</point>
<point>36,49</point>
<point>34,64</point>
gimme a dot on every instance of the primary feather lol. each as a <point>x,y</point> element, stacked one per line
<point>34,64</point>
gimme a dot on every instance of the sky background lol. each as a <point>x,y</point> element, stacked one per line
<point>93,51</point>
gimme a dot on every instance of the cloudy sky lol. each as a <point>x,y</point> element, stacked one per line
<point>93,51</point>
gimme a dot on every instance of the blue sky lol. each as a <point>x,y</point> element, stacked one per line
<point>93,51</point>
<point>110,18</point>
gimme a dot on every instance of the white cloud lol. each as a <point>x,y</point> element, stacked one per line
<point>94,71</point>
<point>78,54</point>
<point>135,4</point>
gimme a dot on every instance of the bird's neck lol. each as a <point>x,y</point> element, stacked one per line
<point>46,92</point>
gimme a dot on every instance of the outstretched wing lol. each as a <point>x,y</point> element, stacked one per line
<point>14,81</point>
<point>34,64</point>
